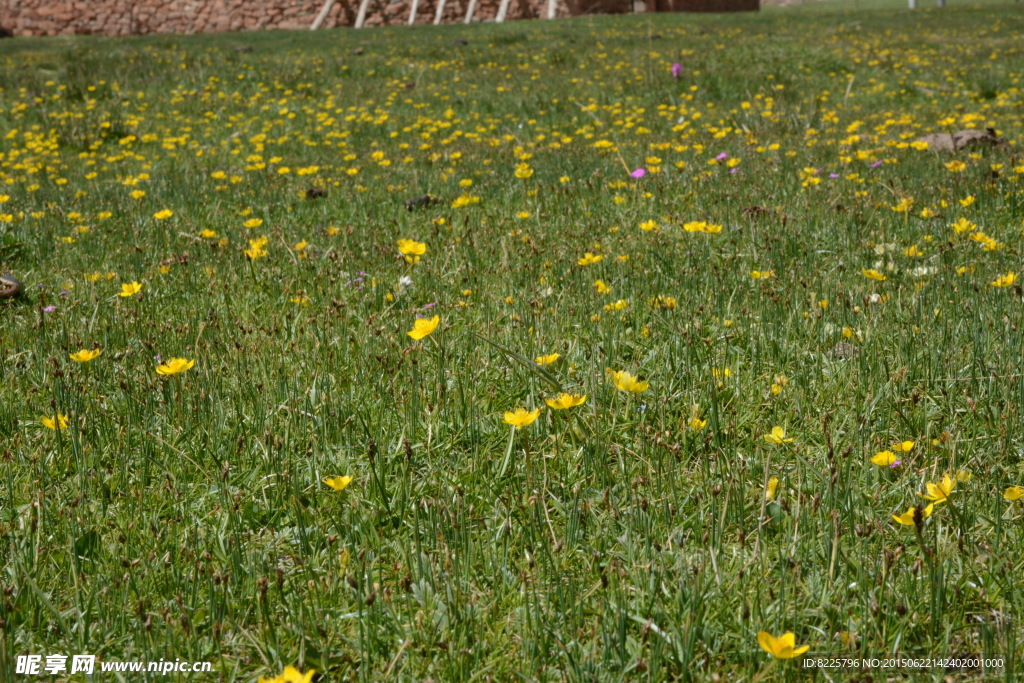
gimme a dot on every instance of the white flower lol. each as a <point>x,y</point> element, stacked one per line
<point>404,282</point>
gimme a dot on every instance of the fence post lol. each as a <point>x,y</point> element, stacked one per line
<point>323,15</point>
<point>361,17</point>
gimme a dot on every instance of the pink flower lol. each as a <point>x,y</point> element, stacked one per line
<point>638,173</point>
<point>722,157</point>
<point>677,70</point>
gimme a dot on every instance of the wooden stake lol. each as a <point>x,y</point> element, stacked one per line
<point>439,13</point>
<point>552,6</point>
<point>470,10</point>
<point>502,11</point>
<point>412,12</point>
<point>323,15</point>
<point>361,17</point>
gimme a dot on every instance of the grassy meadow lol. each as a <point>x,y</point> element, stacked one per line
<point>787,335</point>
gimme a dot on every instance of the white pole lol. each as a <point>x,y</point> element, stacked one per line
<point>470,10</point>
<point>412,12</point>
<point>502,11</point>
<point>361,17</point>
<point>911,4</point>
<point>552,5</point>
<point>439,13</point>
<point>323,15</point>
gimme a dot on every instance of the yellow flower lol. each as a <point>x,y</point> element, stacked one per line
<point>174,366</point>
<point>563,401</point>
<point>423,327</point>
<point>521,417</point>
<point>616,305</point>
<point>697,424</point>
<point>548,359</point>
<point>1014,493</point>
<point>908,517</point>
<point>939,493</point>
<point>872,274</point>
<point>601,287</point>
<point>338,483</point>
<point>647,226</point>
<point>913,252</point>
<point>772,489</point>
<point>253,223</point>
<point>208,234</point>
<point>84,356</point>
<point>290,675</point>
<point>777,436</point>
<point>665,302</point>
<point>884,459</point>
<point>162,215</point>
<point>762,274</point>
<point>589,258</point>
<point>962,225</point>
<point>523,171</point>
<point>130,289</point>
<point>56,422</point>
<point>955,166</point>
<point>967,201</point>
<point>1004,280</point>
<point>783,647</point>
<point>411,247</point>
<point>702,226</point>
<point>625,381</point>
<point>903,446</point>
<point>904,205</point>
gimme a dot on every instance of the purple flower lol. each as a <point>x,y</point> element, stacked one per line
<point>734,170</point>
<point>877,164</point>
<point>896,464</point>
<point>677,70</point>
<point>722,157</point>
<point>638,173</point>
<point>833,175</point>
<point>430,305</point>
<point>49,309</point>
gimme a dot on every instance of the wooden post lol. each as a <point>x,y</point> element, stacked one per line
<point>439,13</point>
<point>911,4</point>
<point>323,15</point>
<point>470,10</point>
<point>412,12</point>
<point>361,17</point>
<point>502,11</point>
<point>552,7</point>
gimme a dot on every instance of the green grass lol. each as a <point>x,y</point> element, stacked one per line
<point>186,516</point>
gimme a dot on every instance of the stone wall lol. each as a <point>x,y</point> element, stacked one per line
<point>128,17</point>
<point>133,17</point>
<point>703,5</point>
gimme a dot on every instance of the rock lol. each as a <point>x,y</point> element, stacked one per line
<point>420,202</point>
<point>10,287</point>
<point>844,351</point>
<point>951,142</point>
